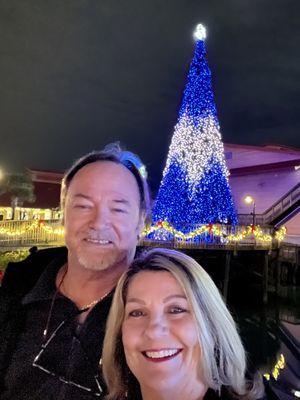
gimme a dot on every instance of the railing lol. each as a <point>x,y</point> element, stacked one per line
<point>247,219</point>
<point>290,253</point>
<point>50,233</point>
<point>282,204</point>
<point>29,233</point>
<point>217,237</point>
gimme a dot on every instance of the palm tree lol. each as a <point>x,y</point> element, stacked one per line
<point>20,188</point>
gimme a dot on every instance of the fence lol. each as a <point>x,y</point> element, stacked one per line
<point>32,232</point>
<point>15,234</point>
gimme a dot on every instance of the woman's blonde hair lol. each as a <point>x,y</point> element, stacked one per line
<point>223,360</point>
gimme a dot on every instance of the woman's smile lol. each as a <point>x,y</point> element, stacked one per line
<point>161,355</point>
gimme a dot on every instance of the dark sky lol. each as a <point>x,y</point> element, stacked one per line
<point>77,74</point>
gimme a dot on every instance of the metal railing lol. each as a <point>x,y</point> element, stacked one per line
<point>282,205</point>
<point>14,234</point>
<point>30,233</point>
<point>226,236</point>
<point>247,219</point>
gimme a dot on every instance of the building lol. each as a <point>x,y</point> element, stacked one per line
<point>269,174</point>
<point>46,205</point>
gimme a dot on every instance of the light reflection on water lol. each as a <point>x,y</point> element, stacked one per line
<point>271,335</point>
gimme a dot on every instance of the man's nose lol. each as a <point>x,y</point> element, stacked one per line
<point>99,217</point>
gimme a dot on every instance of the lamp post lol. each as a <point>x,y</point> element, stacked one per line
<point>250,200</point>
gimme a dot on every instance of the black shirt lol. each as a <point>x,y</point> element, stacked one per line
<point>72,354</point>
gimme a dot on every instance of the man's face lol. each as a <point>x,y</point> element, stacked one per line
<point>102,216</point>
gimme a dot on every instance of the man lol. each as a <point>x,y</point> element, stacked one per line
<point>53,325</point>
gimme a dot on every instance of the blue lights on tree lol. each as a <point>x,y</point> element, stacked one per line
<point>195,188</point>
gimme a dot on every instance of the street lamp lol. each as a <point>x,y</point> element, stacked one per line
<point>250,200</point>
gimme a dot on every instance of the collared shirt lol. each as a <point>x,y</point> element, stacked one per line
<point>72,355</point>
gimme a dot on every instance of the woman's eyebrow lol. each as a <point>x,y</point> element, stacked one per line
<point>135,300</point>
<point>174,296</point>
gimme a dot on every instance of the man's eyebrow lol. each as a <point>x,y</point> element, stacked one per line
<point>174,296</point>
<point>135,300</point>
<point>81,196</point>
<point>121,201</point>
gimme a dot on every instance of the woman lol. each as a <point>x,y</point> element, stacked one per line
<point>170,336</point>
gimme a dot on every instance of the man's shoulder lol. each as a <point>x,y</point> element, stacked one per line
<point>21,276</point>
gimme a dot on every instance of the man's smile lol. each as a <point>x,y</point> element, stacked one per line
<point>98,241</point>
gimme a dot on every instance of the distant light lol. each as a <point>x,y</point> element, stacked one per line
<point>200,32</point>
<point>248,199</point>
<point>297,393</point>
<point>297,167</point>
<point>143,171</point>
<point>1,174</point>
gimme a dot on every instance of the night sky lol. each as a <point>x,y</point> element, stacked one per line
<point>77,74</point>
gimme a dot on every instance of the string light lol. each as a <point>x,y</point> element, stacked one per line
<point>167,231</point>
<point>280,234</point>
<point>195,188</point>
<point>36,224</point>
<point>163,228</point>
<point>278,367</point>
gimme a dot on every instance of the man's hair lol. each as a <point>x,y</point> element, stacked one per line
<point>222,361</point>
<point>113,152</point>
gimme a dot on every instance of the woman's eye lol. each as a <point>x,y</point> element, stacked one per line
<point>177,310</point>
<point>136,313</point>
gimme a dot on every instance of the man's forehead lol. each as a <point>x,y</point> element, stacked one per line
<point>103,175</point>
<point>102,169</point>
<point>115,197</point>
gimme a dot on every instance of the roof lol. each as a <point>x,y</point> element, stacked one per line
<point>46,190</point>
<point>241,160</point>
<point>47,196</point>
<point>245,156</point>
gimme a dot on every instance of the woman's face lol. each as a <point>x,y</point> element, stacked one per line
<point>159,332</point>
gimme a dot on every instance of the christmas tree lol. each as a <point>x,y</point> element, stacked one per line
<point>194,188</point>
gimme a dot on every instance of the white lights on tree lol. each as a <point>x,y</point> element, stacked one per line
<point>200,32</point>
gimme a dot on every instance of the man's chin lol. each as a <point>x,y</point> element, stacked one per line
<point>97,264</point>
<point>104,259</point>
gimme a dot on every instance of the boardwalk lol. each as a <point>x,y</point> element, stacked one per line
<point>222,242</point>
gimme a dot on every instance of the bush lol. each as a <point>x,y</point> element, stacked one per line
<point>14,256</point>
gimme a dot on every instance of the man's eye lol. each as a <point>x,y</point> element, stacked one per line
<point>136,313</point>
<point>82,206</point>
<point>119,210</point>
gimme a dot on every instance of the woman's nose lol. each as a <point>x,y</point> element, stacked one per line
<point>157,326</point>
